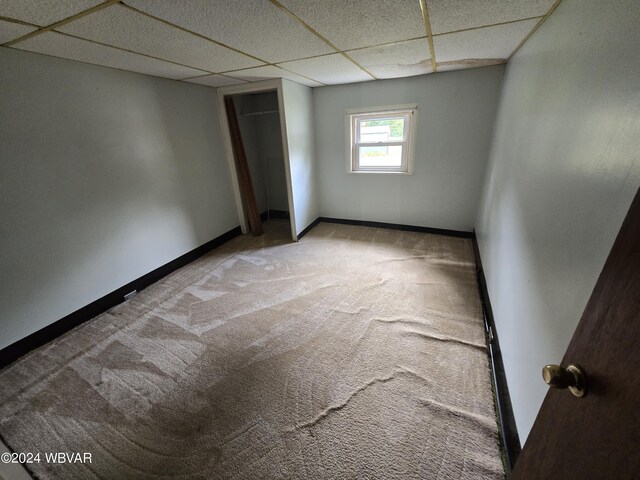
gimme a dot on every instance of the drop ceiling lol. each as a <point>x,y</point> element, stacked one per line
<point>313,42</point>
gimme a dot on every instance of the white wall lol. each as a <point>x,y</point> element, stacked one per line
<point>105,175</point>
<point>564,168</point>
<point>297,109</point>
<point>456,112</point>
<point>271,147</point>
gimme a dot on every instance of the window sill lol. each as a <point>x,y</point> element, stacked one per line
<point>365,172</point>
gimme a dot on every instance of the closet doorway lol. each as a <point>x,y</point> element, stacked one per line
<point>253,124</point>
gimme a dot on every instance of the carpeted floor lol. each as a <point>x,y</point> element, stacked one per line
<point>356,353</point>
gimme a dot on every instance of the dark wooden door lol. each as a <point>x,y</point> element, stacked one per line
<point>242,168</point>
<point>597,436</point>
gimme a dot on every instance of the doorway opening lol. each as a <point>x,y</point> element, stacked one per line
<point>259,163</point>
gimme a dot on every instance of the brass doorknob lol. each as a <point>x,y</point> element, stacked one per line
<point>572,377</point>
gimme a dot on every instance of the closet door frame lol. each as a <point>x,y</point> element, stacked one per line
<point>256,87</point>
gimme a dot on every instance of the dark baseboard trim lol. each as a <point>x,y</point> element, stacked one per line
<point>396,226</point>
<point>508,432</point>
<point>50,332</point>
<point>308,229</point>
<point>281,214</point>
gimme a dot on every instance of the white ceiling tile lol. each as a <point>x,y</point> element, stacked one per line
<point>271,71</point>
<point>329,69</point>
<point>402,59</point>
<point>10,31</point>
<point>452,15</point>
<point>125,28</point>
<point>215,80</point>
<point>489,43</point>
<point>352,24</point>
<point>256,27</point>
<point>59,45</point>
<point>44,12</point>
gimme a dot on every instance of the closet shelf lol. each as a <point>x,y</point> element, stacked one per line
<point>258,113</point>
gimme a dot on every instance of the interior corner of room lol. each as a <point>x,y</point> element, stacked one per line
<point>111,179</point>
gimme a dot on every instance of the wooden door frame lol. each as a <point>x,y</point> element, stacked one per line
<point>256,87</point>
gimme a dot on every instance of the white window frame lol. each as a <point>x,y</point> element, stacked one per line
<point>352,119</point>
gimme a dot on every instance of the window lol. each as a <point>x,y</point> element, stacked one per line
<point>381,139</point>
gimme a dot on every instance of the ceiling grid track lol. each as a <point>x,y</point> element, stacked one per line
<point>230,73</point>
<point>296,73</point>
<point>470,29</point>
<point>192,32</point>
<point>53,26</point>
<point>385,44</point>
<point>322,37</point>
<point>427,26</point>
<point>206,72</point>
<point>266,63</point>
<point>19,22</point>
<point>207,75</point>
<point>60,23</point>
<point>538,25</point>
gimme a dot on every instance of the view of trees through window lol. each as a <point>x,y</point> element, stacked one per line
<point>395,127</point>
<point>381,130</point>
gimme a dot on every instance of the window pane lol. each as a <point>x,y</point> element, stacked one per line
<point>387,156</point>
<point>382,130</point>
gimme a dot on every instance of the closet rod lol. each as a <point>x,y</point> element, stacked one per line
<point>258,113</point>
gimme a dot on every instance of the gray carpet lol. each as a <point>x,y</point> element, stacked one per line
<point>356,353</point>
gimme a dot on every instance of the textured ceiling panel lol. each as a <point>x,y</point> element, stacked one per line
<point>452,15</point>
<point>59,45</point>
<point>215,81</point>
<point>474,47</point>
<point>121,27</point>
<point>403,59</point>
<point>44,12</point>
<point>329,69</point>
<point>10,31</point>
<point>355,23</point>
<point>270,71</point>
<point>256,27</point>
<point>183,39</point>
